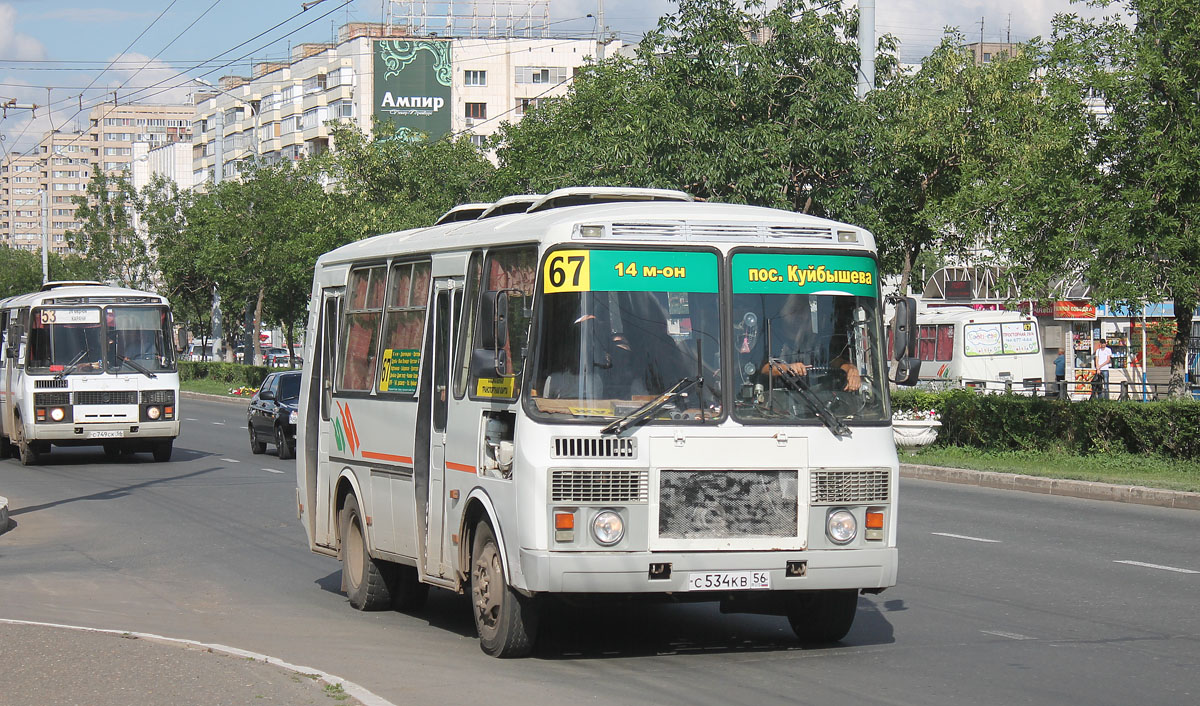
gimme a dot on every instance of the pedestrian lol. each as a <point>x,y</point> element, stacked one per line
<point>1103,365</point>
<point>1060,372</point>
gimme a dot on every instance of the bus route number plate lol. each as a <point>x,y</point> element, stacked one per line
<point>728,580</point>
<point>109,434</point>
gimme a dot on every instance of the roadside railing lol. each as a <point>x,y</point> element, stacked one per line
<point>1063,389</point>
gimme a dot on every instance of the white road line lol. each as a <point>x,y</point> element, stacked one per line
<point>1009,635</point>
<point>272,470</point>
<point>963,536</point>
<point>189,419</point>
<point>1155,566</point>
<point>231,460</point>
<point>362,694</point>
<point>220,424</point>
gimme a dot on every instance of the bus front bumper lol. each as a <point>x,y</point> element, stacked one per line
<point>630,572</point>
<point>99,433</point>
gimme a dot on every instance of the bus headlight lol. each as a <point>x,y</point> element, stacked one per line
<point>154,412</point>
<point>57,414</point>
<point>840,526</point>
<point>608,528</point>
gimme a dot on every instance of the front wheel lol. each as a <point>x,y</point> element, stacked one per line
<point>364,579</point>
<point>506,621</point>
<point>25,448</point>
<point>822,616</point>
<point>162,450</point>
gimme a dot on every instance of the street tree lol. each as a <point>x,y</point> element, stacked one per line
<point>107,235</point>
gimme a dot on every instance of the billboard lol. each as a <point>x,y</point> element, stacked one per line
<point>412,85</point>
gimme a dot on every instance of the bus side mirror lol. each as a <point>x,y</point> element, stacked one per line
<point>904,341</point>
<point>490,360</point>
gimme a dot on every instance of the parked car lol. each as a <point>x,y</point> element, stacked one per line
<point>277,357</point>
<point>271,416</point>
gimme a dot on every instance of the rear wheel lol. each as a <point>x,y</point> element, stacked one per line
<point>822,616</point>
<point>26,449</point>
<point>364,579</point>
<point>286,446</point>
<point>256,446</point>
<point>162,450</point>
<point>506,621</point>
<point>5,448</point>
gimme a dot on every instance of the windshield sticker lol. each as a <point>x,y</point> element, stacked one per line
<point>629,271</point>
<point>495,387</point>
<point>786,273</point>
<point>70,316</point>
<point>399,371</point>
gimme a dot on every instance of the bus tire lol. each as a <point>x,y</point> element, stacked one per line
<point>287,447</point>
<point>256,446</point>
<point>408,593</point>
<point>506,621</point>
<point>112,451</point>
<point>822,616</point>
<point>5,448</point>
<point>25,448</point>
<point>364,579</point>
<point>162,450</point>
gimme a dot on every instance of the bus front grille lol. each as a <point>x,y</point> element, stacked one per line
<point>51,399</point>
<point>854,486</point>
<point>599,486</point>
<point>106,397</point>
<point>727,504</point>
<point>50,384</point>
<point>594,447</point>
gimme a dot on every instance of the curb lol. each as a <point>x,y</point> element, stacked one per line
<point>3,514</point>
<point>1087,490</point>
<point>243,401</point>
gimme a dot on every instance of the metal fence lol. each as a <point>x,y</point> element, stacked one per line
<point>1065,389</point>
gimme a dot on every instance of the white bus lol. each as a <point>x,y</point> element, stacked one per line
<point>993,351</point>
<point>84,364</point>
<point>578,399</point>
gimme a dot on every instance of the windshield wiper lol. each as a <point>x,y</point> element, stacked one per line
<point>136,366</point>
<point>72,365</point>
<point>795,382</point>
<point>643,413</point>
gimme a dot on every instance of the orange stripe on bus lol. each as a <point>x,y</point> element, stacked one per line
<point>460,467</point>
<point>407,460</point>
<point>353,429</point>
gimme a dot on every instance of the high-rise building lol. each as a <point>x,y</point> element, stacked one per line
<point>114,129</point>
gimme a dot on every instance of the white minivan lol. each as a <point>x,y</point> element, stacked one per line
<point>990,350</point>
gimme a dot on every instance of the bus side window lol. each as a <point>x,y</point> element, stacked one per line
<point>403,326</point>
<point>467,323</point>
<point>507,269</point>
<point>360,334</point>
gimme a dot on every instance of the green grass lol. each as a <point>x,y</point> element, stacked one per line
<point>210,387</point>
<point>1110,467</point>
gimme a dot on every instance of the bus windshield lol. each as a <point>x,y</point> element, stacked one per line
<point>805,332</point>
<point>90,340</point>
<point>619,328</point>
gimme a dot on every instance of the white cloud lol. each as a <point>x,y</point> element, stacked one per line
<point>13,44</point>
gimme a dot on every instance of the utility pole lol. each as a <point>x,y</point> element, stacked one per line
<point>602,31</point>
<point>866,48</point>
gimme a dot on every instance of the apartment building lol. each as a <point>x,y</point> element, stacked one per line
<point>115,128</point>
<point>427,84</point>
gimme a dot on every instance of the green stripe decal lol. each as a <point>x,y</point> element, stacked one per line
<point>788,273</point>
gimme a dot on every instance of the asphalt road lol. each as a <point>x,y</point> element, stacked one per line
<point>1004,597</point>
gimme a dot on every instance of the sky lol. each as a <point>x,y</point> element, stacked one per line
<point>71,53</point>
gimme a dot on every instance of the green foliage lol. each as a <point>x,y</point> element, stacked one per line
<point>108,237</point>
<point>1016,422</point>
<point>235,374</point>
<point>21,270</point>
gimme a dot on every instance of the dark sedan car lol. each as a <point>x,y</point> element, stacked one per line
<point>271,417</point>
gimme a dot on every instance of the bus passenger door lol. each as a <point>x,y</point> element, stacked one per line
<point>443,334</point>
<point>327,472</point>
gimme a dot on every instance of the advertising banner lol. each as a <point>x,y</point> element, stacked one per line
<point>412,85</point>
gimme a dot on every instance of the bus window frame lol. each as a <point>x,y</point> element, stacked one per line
<point>392,266</point>
<point>476,334</point>
<point>470,293</point>
<point>344,333</point>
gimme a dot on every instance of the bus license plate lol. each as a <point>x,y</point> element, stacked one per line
<point>728,581</point>
<point>111,434</point>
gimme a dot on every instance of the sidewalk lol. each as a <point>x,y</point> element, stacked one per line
<point>50,664</point>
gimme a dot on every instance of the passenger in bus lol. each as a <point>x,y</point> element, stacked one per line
<point>793,338</point>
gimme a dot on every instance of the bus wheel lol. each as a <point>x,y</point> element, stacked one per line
<point>162,450</point>
<point>822,616</point>
<point>506,621</point>
<point>364,579</point>
<point>256,446</point>
<point>25,448</point>
<point>287,447</point>
<point>112,451</point>
<point>5,448</point>
<point>408,593</point>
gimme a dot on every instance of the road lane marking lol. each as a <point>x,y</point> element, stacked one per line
<point>231,460</point>
<point>361,693</point>
<point>1155,566</point>
<point>272,470</point>
<point>220,424</point>
<point>1008,635</point>
<point>190,419</point>
<point>963,536</point>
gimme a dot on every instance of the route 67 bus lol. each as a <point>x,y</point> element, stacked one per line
<point>84,364</point>
<point>614,392</point>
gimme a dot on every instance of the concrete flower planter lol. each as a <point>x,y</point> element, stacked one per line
<point>915,433</point>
